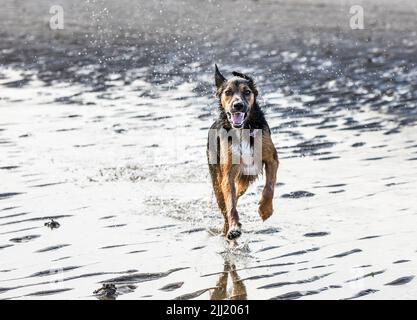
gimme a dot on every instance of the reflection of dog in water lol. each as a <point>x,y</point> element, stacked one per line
<point>238,290</point>
<point>240,114</point>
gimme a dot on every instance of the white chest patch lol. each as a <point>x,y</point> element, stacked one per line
<point>245,153</point>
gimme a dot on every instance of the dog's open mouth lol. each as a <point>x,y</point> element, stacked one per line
<point>237,119</point>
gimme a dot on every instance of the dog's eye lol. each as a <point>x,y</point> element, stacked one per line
<point>228,92</point>
<point>248,92</point>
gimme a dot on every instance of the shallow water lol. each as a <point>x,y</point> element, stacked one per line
<point>116,155</point>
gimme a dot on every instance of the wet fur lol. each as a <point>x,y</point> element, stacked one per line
<point>228,182</point>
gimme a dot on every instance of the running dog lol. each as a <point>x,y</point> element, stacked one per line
<point>239,112</point>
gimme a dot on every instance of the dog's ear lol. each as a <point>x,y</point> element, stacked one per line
<point>251,83</point>
<point>218,77</point>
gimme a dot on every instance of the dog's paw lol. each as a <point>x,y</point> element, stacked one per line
<point>234,233</point>
<point>265,209</point>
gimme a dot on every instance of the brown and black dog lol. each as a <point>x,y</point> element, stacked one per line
<point>239,112</point>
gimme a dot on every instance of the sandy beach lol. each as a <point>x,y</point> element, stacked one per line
<point>103,128</point>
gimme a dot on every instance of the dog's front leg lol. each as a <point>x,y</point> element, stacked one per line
<point>270,159</point>
<point>229,192</point>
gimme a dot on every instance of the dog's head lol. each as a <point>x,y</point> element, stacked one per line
<point>237,96</point>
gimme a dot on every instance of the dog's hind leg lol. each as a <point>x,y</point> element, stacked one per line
<point>241,186</point>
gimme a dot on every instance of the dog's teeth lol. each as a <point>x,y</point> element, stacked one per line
<point>238,117</point>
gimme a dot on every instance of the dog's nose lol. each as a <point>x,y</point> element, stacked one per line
<point>238,106</point>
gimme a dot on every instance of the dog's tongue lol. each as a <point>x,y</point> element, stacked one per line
<point>238,117</point>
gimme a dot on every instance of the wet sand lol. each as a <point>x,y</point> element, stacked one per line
<point>112,146</point>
